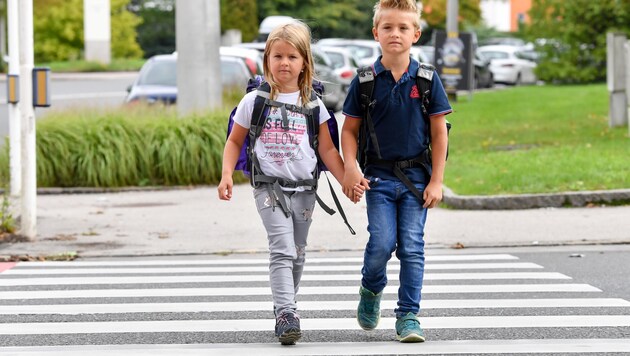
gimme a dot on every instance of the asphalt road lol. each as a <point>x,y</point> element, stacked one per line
<point>100,90</point>
<point>532,300</point>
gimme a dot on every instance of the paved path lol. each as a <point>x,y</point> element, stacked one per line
<point>192,221</point>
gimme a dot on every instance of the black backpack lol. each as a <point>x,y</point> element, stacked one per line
<point>247,161</point>
<point>424,81</point>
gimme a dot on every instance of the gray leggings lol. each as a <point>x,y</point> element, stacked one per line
<point>287,243</point>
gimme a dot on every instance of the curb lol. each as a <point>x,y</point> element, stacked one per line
<point>535,201</point>
<point>450,199</point>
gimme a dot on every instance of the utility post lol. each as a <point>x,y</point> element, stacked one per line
<point>15,132</point>
<point>198,38</point>
<point>452,30</point>
<point>28,222</point>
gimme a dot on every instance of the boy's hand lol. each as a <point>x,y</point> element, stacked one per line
<point>352,185</point>
<point>225,188</point>
<point>432,195</point>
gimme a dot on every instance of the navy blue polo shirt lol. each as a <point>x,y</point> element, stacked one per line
<point>397,115</point>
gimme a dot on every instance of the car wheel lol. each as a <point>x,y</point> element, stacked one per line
<point>518,80</point>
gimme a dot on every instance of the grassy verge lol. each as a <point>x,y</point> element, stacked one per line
<point>518,140</point>
<point>116,65</point>
<point>536,140</point>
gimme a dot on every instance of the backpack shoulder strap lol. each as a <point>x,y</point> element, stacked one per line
<point>366,85</point>
<point>312,121</point>
<point>424,82</point>
<point>258,119</point>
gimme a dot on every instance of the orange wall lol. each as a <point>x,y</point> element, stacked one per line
<point>519,7</point>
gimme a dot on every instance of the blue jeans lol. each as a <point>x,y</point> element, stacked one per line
<point>396,222</point>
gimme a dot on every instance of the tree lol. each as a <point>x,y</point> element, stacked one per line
<point>574,37</point>
<point>58,30</point>
<point>338,18</point>
<point>434,13</point>
<point>238,14</point>
<point>156,33</point>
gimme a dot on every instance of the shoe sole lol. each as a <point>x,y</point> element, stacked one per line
<point>368,328</point>
<point>410,338</point>
<point>290,337</point>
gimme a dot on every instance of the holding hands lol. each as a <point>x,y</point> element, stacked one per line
<point>354,185</point>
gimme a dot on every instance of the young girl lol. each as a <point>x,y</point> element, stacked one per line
<point>284,152</point>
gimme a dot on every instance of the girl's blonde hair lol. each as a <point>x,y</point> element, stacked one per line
<point>402,5</point>
<point>298,35</point>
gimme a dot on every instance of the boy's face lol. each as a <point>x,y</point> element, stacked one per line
<point>395,31</point>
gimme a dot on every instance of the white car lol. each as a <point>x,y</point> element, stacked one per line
<point>508,64</point>
<point>344,64</point>
<point>365,51</point>
<point>252,57</point>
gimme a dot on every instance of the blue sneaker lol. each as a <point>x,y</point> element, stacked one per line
<point>369,310</point>
<point>288,328</point>
<point>408,329</point>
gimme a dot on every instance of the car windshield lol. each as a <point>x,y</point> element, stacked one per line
<point>361,51</point>
<point>160,73</point>
<point>336,59</point>
<point>495,54</point>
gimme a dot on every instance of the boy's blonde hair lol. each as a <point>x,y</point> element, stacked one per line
<point>402,5</point>
<point>298,35</point>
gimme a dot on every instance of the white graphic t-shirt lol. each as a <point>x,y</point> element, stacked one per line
<point>282,153</point>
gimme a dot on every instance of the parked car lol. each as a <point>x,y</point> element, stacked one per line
<point>252,57</point>
<point>418,54</point>
<point>344,65</point>
<point>483,75</point>
<point>509,65</point>
<point>366,51</point>
<point>157,80</point>
<point>334,95</point>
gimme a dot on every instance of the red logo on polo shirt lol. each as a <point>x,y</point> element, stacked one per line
<point>414,92</point>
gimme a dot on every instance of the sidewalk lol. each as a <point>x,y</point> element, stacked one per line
<point>195,221</point>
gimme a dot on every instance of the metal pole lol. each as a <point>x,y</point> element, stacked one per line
<point>29,169</point>
<point>198,38</point>
<point>452,29</point>
<point>14,109</point>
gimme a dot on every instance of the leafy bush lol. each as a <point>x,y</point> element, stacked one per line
<point>129,147</point>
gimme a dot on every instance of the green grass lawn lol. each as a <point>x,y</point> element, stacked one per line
<point>116,65</point>
<point>536,139</point>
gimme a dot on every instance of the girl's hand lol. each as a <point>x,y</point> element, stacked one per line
<point>352,183</point>
<point>225,188</point>
<point>432,195</point>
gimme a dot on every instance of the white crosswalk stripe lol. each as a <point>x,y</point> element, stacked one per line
<point>144,307</point>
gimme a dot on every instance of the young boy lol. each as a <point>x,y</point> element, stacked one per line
<point>396,217</point>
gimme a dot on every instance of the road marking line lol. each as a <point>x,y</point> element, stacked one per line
<point>335,290</point>
<point>489,347</point>
<point>5,266</point>
<point>231,325</point>
<point>265,261</point>
<point>337,268</point>
<point>122,308</point>
<point>264,278</point>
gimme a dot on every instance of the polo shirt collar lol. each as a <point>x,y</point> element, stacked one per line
<point>412,69</point>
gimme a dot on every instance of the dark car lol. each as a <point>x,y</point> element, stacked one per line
<point>157,81</point>
<point>483,74</point>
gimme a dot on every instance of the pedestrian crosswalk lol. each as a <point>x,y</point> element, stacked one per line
<point>472,304</point>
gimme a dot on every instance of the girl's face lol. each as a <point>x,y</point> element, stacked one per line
<point>286,64</point>
<point>396,31</point>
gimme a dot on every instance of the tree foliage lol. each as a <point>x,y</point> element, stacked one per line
<point>434,13</point>
<point>58,30</point>
<point>240,15</point>
<point>574,34</point>
<point>156,33</point>
<point>337,18</point>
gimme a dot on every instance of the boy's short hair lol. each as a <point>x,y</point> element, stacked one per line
<point>402,5</point>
